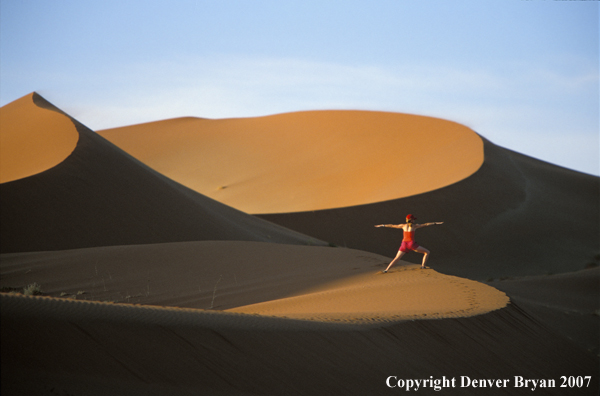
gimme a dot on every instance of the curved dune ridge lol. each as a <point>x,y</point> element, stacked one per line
<point>306,161</point>
<point>406,293</point>
<point>32,139</point>
<point>512,197</point>
<point>303,282</point>
<point>101,196</point>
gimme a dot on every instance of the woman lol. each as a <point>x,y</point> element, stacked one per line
<point>408,243</point>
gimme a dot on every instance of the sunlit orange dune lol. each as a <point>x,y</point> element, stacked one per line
<point>353,166</point>
<point>98,195</point>
<point>32,139</point>
<point>308,160</point>
<point>407,292</point>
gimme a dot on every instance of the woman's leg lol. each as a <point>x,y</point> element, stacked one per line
<point>395,260</point>
<point>425,253</point>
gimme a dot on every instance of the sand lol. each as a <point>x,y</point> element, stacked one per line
<point>25,148</point>
<point>515,216</point>
<point>324,159</point>
<point>567,303</point>
<point>150,287</point>
<point>339,173</point>
<point>406,293</point>
<point>304,282</point>
<point>101,196</point>
<point>61,346</point>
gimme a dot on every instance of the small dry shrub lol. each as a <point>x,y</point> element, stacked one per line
<point>33,289</point>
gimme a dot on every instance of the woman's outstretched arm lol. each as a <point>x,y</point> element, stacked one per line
<point>429,224</point>
<point>390,225</point>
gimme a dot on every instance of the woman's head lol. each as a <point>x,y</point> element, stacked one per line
<point>410,218</point>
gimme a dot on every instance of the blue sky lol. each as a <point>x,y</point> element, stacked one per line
<point>522,73</point>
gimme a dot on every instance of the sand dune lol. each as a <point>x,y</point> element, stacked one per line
<point>363,322</point>
<point>320,283</point>
<point>340,172</point>
<point>568,303</point>
<point>324,159</point>
<point>25,148</point>
<point>100,196</point>
<point>405,293</point>
<point>515,216</point>
<point>223,303</point>
<point>187,274</point>
<point>73,347</point>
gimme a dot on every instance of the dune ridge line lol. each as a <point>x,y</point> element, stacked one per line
<point>304,161</point>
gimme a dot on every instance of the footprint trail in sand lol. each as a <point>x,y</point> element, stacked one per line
<point>405,293</point>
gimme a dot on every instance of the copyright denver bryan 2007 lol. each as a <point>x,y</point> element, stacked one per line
<point>437,384</point>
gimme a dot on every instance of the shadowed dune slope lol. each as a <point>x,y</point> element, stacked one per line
<point>100,196</point>
<point>27,149</point>
<point>515,216</point>
<point>83,348</point>
<point>307,160</point>
<point>186,274</point>
<point>568,303</point>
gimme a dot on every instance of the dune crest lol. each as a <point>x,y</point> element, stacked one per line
<point>406,293</point>
<point>101,196</point>
<point>308,160</point>
<point>32,139</point>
